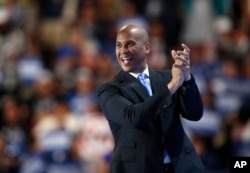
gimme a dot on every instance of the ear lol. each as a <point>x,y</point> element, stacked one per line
<point>147,47</point>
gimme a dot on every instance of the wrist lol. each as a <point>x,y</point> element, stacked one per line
<point>172,87</point>
<point>188,82</point>
<point>188,77</point>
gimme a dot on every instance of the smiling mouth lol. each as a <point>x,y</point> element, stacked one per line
<point>126,59</point>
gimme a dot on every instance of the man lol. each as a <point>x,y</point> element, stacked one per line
<point>146,126</point>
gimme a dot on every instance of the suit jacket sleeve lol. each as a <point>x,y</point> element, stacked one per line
<point>122,110</point>
<point>189,100</point>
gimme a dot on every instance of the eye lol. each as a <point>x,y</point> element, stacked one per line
<point>131,43</point>
<point>118,45</point>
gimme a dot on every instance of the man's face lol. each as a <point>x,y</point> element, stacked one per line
<point>131,52</point>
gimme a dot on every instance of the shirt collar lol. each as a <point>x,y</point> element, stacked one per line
<point>146,71</point>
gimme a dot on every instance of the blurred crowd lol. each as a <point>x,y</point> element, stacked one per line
<point>55,53</point>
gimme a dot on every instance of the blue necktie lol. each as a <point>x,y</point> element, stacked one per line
<point>142,77</point>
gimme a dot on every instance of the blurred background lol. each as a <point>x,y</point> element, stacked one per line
<point>55,53</point>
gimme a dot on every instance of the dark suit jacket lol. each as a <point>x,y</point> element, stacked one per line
<point>143,127</point>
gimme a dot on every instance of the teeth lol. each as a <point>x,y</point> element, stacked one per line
<point>127,58</point>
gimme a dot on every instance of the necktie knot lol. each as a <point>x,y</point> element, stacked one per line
<point>142,77</point>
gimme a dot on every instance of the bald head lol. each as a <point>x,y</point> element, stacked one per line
<point>132,48</point>
<point>139,33</point>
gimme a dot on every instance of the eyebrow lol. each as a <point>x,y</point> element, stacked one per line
<point>126,41</point>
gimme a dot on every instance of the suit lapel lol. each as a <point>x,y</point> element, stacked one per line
<point>157,81</point>
<point>131,85</point>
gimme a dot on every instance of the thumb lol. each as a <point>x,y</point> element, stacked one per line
<point>174,54</point>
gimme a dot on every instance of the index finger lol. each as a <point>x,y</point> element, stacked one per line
<point>186,49</point>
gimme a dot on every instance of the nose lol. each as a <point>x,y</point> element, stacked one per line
<point>124,49</point>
